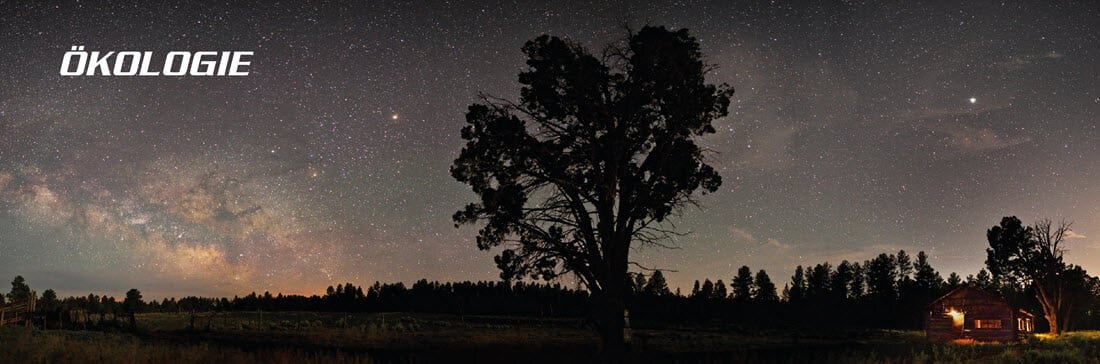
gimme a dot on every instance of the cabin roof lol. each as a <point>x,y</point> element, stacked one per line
<point>972,290</point>
<point>965,289</point>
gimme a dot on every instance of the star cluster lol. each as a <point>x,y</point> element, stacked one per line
<point>855,129</point>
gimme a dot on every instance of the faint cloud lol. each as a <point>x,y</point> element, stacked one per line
<point>966,138</point>
<point>741,234</point>
<point>745,237</point>
<point>947,126</point>
<point>1021,61</point>
<point>1070,234</point>
<point>778,246</point>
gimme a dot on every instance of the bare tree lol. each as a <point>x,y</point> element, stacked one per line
<point>1033,256</point>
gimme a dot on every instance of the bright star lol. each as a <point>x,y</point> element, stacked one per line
<point>394,116</point>
<point>973,100</point>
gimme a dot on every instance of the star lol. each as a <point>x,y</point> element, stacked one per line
<point>394,117</point>
<point>973,100</point>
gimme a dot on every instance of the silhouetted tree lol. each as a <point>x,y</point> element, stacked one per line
<point>983,281</point>
<point>926,280</point>
<point>1032,256</point>
<point>640,281</point>
<point>635,283</point>
<point>857,287</point>
<point>48,301</point>
<point>1080,291</point>
<point>742,284</point>
<point>132,304</point>
<point>20,291</point>
<point>904,267</point>
<point>594,157</point>
<point>657,286</point>
<point>842,280</point>
<point>953,281</point>
<point>707,291</point>
<point>797,290</point>
<point>817,284</point>
<point>765,289</point>
<point>882,277</point>
<point>720,292</point>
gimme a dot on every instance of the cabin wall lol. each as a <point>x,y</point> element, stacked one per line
<point>1007,332</point>
<point>974,306</point>
<point>941,327</point>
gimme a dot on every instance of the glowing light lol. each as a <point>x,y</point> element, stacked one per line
<point>956,317</point>
<point>394,116</point>
<point>973,100</point>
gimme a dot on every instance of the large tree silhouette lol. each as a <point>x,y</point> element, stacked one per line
<point>592,160</point>
<point>1032,256</point>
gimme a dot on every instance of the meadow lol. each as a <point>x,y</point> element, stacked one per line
<point>309,337</point>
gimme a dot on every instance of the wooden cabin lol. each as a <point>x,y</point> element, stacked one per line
<point>969,313</point>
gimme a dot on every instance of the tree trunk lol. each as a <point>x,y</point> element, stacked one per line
<point>613,307</point>
<point>1065,322</point>
<point>1050,311</point>
<point>611,330</point>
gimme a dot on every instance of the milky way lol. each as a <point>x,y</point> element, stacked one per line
<point>856,129</point>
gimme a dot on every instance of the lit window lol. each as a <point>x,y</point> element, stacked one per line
<point>987,324</point>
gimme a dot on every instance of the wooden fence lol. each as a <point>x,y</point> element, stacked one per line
<point>19,312</point>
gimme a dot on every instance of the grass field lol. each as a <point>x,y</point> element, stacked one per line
<point>294,337</point>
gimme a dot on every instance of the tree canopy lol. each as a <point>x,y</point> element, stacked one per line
<point>20,291</point>
<point>1032,256</point>
<point>594,156</point>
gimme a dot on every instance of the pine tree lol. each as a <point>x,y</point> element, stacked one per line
<point>797,291</point>
<point>657,286</point>
<point>20,291</point>
<point>707,291</point>
<point>742,284</point>
<point>841,281</point>
<point>857,287</point>
<point>926,278</point>
<point>882,277</point>
<point>765,289</point>
<point>953,281</point>
<point>720,292</point>
<point>817,284</point>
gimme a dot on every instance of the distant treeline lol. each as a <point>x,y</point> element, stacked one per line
<point>889,291</point>
<point>480,298</point>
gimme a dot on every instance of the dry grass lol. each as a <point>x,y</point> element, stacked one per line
<point>303,337</point>
<point>36,346</point>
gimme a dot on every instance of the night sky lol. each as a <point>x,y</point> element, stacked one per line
<point>855,129</point>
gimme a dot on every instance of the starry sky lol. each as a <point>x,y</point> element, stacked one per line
<point>857,128</point>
